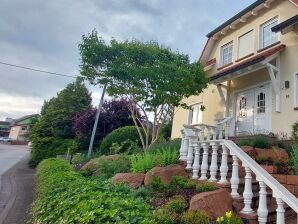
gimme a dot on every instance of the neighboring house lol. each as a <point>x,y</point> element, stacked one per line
<point>252,64</point>
<point>4,128</point>
<point>20,127</point>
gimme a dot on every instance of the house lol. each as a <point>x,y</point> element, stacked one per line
<point>252,64</point>
<point>20,127</point>
<point>4,128</point>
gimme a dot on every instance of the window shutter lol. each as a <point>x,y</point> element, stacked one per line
<point>246,46</point>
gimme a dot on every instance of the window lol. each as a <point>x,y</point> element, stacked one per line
<point>195,114</point>
<point>242,107</point>
<point>226,54</point>
<point>245,44</point>
<point>267,37</point>
<point>261,103</point>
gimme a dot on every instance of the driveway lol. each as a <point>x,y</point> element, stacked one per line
<point>10,155</point>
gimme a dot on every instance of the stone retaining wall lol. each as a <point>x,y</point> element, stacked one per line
<point>289,181</point>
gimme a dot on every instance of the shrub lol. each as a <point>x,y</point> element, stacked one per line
<point>157,184</point>
<point>64,196</point>
<point>164,216</point>
<point>294,155</point>
<point>261,142</point>
<point>90,167</point>
<point>119,136</point>
<point>174,144</point>
<point>182,182</point>
<point>128,146</point>
<point>177,205</point>
<point>194,217</point>
<point>295,132</point>
<point>229,218</point>
<point>261,159</point>
<point>167,156</point>
<point>206,186</point>
<point>48,147</point>
<point>142,163</point>
<point>245,142</point>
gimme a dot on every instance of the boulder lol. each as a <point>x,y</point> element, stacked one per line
<point>214,203</point>
<point>165,173</point>
<point>278,154</point>
<point>135,180</point>
<point>249,150</point>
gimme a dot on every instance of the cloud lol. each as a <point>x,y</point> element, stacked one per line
<point>45,35</point>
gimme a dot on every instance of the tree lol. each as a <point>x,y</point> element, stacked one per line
<point>54,125</point>
<point>151,77</point>
<point>114,114</point>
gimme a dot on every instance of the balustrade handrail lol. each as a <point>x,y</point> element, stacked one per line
<point>278,189</point>
<point>225,120</point>
<point>204,125</point>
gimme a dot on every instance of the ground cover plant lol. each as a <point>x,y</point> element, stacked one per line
<point>83,200</point>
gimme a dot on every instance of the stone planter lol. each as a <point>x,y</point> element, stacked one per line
<point>288,181</point>
<point>272,155</point>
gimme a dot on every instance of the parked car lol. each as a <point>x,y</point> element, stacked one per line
<point>5,139</point>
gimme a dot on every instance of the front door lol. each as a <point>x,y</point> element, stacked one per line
<point>253,111</point>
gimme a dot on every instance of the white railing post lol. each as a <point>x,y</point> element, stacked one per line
<point>224,165</point>
<point>183,148</point>
<point>219,132</point>
<point>202,134</point>
<point>204,166</point>
<point>214,134</point>
<point>213,166</point>
<point>247,194</point>
<point>193,139</point>
<point>280,211</point>
<point>196,164</point>
<point>262,210</point>
<point>235,177</point>
<point>208,133</point>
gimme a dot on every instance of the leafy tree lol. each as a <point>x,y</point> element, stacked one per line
<point>55,122</point>
<point>114,114</point>
<point>153,78</point>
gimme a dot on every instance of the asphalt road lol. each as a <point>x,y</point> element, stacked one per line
<point>10,155</point>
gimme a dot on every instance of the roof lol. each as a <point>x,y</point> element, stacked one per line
<point>290,22</point>
<point>248,62</point>
<point>234,18</point>
<point>19,120</point>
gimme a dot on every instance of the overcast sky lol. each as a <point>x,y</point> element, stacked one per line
<point>45,35</point>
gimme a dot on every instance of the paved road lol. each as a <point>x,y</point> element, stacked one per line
<point>10,155</point>
<point>17,184</point>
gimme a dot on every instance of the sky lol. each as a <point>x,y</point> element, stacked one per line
<point>45,35</point>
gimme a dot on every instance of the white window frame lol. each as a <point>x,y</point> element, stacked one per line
<point>230,44</point>
<point>261,33</point>
<point>253,42</point>
<point>296,89</point>
<point>199,115</point>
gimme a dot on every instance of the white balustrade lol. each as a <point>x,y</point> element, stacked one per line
<point>220,132</point>
<point>183,147</point>
<point>204,166</point>
<point>280,211</point>
<point>196,164</point>
<point>235,177</point>
<point>262,210</point>
<point>193,139</point>
<point>224,165</point>
<point>213,166</point>
<point>247,194</point>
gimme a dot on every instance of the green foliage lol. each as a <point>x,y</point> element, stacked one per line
<point>245,142</point>
<point>166,131</point>
<point>128,146</point>
<point>261,142</point>
<point>182,182</point>
<point>64,196</point>
<point>195,217</point>
<point>177,205</point>
<point>54,124</point>
<point>157,184</point>
<point>261,159</point>
<point>206,186</point>
<point>294,155</point>
<point>229,218</point>
<point>79,158</point>
<point>167,156</point>
<point>295,132</point>
<point>120,136</point>
<point>164,216</point>
<point>152,76</point>
<point>47,147</point>
<point>173,144</point>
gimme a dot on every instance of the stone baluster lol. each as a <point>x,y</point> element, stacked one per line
<point>183,152</point>
<point>262,210</point>
<point>193,139</point>
<point>202,134</point>
<point>214,134</point>
<point>196,164</point>
<point>235,177</point>
<point>204,166</point>
<point>213,166</point>
<point>227,129</point>
<point>280,211</point>
<point>224,165</point>
<point>208,133</point>
<point>247,194</point>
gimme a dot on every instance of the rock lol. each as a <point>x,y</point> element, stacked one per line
<point>279,154</point>
<point>165,173</point>
<point>135,180</point>
<point>249,150</point>
<point>214,203</point>
<point>270,168</point>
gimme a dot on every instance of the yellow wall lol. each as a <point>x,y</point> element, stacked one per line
<point>281,122</point>
<point>14,132</point>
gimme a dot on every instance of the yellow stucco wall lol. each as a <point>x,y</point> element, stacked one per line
<point>281,122</point>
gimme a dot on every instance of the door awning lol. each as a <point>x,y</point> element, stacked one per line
<point>252,63</point>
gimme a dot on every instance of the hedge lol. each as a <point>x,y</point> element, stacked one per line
<point>64,196</point>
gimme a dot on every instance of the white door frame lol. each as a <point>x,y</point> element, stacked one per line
<point>234,104</point>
